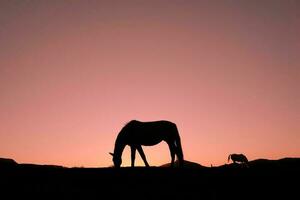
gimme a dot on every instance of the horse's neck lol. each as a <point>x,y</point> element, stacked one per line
<point>119,147</point>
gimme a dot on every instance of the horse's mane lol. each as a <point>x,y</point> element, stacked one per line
<point>125,127</point>
<point>130,122</point>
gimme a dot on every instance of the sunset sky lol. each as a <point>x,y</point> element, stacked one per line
<point>73,73</point>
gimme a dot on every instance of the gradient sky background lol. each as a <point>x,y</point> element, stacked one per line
<point>72,73</point>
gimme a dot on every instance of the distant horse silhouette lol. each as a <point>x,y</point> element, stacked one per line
<point>238,158</point>
<point>136,133</point>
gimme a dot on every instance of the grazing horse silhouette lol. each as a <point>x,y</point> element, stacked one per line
<point>238,158</point>
<point>136,133</point>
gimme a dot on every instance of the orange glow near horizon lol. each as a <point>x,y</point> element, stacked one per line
<point>72,74</point>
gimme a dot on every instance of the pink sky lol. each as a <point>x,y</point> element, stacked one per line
<point>72,74</point>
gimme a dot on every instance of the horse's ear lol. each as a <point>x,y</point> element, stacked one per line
<point>111,154</point>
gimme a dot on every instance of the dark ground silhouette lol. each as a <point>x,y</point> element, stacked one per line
<point>264,179</point>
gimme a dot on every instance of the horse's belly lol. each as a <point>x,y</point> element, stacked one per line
<point>145,140</point>
<point>150,143</point>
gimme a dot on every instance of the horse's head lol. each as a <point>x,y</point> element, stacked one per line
<point>116,159</point>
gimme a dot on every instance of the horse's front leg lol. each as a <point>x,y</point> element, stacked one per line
<point>133,149</point>
<point>140,150</point>
<point>172,152</point>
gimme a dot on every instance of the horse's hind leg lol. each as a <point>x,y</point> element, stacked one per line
<point>140,150</point>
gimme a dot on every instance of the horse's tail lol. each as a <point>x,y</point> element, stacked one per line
<point>178,147</point>
<point>229,158</point>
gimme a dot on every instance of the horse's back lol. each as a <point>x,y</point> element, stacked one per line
<point>150,133</point>
<point>153,123</point>
<point>161,125</point>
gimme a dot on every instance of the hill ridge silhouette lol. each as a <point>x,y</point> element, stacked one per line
<point>264,179</point>
<point>8,162</point>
